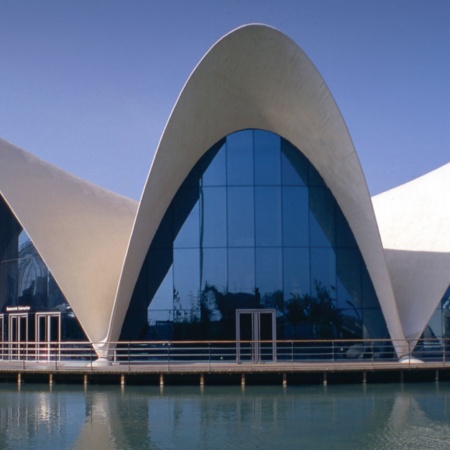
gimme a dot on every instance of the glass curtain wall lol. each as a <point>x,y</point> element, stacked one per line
<point>254,226</point>
<point>26,285</point>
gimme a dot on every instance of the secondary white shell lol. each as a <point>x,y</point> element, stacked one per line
<point>80,230</point>
<point>414,222</point>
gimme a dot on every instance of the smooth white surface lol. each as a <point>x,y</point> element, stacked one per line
<point>80,230</point>
<point>414,222</point>
<point>256,77</point>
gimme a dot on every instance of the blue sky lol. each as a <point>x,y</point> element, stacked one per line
<point>88,85</point>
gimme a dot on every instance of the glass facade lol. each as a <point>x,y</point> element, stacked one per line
<point>254,227</point>
<point>436,335</point>
<point>30,300</point>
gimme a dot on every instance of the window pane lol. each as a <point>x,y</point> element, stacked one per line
<point>348,265</point>
<point>296,272</point>
<point>268,216</point>
<point>188,220</point>
<point>213,268</point>
<point>215,174</point>
<point>241,270</point>
<point>241,218</point>
<point>213,218</point>
<point>186,275</point>
<point>323,269</point>
<point>322,227</point>
<point>295,217</point>
<point>240,158</point>
<point>269,277</point>
<point>344,236</point>
<point>294,166</point>
<point>267,158</point>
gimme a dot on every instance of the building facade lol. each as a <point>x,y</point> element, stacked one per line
<point>255,223</point>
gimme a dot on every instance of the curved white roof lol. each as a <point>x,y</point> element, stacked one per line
<point>414,222</point>
<point>80,230</point>
<point>256,77</point>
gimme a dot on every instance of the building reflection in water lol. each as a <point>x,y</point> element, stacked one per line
<point>373,416</point>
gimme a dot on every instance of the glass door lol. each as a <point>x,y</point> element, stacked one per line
<point>18,336</point>
<point>48,336</point>
<point>255,335</point>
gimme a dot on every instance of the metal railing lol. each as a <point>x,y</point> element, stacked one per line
<point>135,353</point>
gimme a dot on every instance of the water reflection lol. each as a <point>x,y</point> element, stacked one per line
<point>309,417</point>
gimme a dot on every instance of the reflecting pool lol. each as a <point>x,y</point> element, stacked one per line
<point>400,416</point>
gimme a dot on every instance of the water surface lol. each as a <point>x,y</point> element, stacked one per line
<point>383,416</point>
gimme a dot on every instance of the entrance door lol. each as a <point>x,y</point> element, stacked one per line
<point>256,335</point>
<point>18,336</point>
<point>48,336</point>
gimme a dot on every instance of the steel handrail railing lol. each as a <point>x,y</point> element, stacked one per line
<point>174,352</point>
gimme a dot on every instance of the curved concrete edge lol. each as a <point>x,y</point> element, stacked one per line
<point>80,230</point>
<point>256,77</point>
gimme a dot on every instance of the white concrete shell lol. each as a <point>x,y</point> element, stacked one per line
<point>256,77</point>
<point>80,230</point>
<point>414,222</point>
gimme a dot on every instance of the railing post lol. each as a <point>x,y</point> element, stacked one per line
<point>209,352</point>
<point>332,350</point>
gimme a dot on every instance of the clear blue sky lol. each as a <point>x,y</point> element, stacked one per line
<point>88,85</point>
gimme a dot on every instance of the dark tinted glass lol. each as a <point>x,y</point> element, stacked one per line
<point>348,266</point>
<point>294,166</point>
<point>295,216</point>
<point>186,277</point>
<point>268,216</point>
<point>241,270</point>
<point>212,217</point>
<point>240,158</point>
<point>241,217</point>
<point>323,268</point>
<point>267,158</point>
<point>296,271</point>
<point>269,276</point>
<point>215,174</point>
<point>321,217</point>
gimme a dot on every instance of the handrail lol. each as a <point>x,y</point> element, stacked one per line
<point>173,352</point>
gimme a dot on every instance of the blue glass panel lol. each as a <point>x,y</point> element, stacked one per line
<point>213,217</point>
<point>215,174</point>
<point>241,270</point>
<point>369,297</point>
<point>214,268</point>
<point>186,276</point>
<point>323,268</point>
<point>296,273</point>
<point>348,264</point>
<point>295,216</point>
<point>314,178</point>
<point>267,158</point>
<point>322,224</point>
<point>269,277</point>
<point>344,236</point>
<point>188,236</point>
<point>240,158</point>
<point>268,216</point>
<point>161,306</point>
<point>241,217</point>
<point>374,324</point>
<point>294,166</point>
